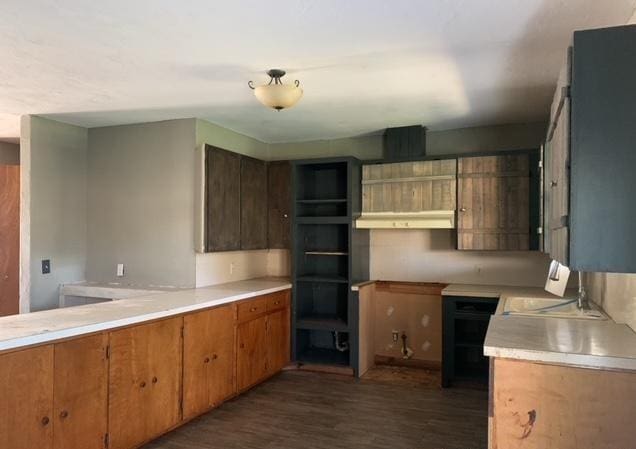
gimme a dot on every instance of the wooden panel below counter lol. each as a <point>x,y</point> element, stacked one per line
<point>537,406</point>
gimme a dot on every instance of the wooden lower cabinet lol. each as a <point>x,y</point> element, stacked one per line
<point>209,340</point>
<point>537,406</point>
<point>26,399</point>
<point>251,357</point>
<point>263,342</point>
<point>120,389</point>
<point>145,382</point>
<point>278,342</point>
<point>80,405</point>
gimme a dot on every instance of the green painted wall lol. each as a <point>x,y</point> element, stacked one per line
<point>227,139</point>
<point>56,176</point>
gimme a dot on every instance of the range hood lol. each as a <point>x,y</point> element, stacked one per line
<point>409,194</point>
<point>435,219</point>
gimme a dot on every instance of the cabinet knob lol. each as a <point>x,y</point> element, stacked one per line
<point>285,215</point>
<point>242,346</point>
<point>206,360</point>
<point>276,303</point>
<point>142,384</point>
<point>45,421</point>
<point>154,380</point>
<point>214,356</point>
<point>253,309</point>
<point>554,183</point>
<point>463,209</point>
<point>63,414</point>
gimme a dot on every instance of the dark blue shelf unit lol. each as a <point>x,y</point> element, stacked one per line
<point>328,254</point>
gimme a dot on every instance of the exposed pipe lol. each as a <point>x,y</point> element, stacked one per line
<point>342,347</point>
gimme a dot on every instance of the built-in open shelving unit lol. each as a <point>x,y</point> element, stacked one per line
<point>328,255</point>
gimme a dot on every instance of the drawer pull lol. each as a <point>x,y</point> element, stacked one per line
<point>276,303</point>
<point>45,421</point>
<point>142,384</point>
<point>206,360</point>
<point>253,309</point>
<point>154,380</point>
<point>214,356</point>
<point>63,414</point>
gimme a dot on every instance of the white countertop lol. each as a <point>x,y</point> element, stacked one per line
<point>40,327</point>
<point>600,344</point>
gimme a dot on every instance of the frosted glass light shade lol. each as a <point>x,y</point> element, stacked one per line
<point>278,96</point>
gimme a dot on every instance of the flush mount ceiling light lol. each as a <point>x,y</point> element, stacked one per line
<point>275,94</point>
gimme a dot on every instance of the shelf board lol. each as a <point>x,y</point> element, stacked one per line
<point>319,278</point>
<point>323,220</point>
<point>324,356</point>
<point>473,316</point>
<point>326,253</point>
<point>322,322</point>
<point>323,201</point>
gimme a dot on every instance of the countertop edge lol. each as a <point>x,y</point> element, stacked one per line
<point>52,336</point>
<point>586,361</point>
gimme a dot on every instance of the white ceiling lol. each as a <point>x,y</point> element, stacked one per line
<point>364,64</point>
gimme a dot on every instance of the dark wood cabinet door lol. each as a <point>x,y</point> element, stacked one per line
<point>223,210</point>
<point>26,399</point>
<point>279,204</point>
<point>253,203</point>
<point>80,407</point>
<point>251,357</point>
<point>494,197</point>
<point>278,340</point>
<point>208,359</point>
<point>144,382</point>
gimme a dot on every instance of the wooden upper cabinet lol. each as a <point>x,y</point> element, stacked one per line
<point>494,202</point>
<point>279,204</point>
<point>409,186</point>
<point>26,399</point>
<point>208,359</point>
<point>253,203</point>
<point>223,210</point>
<point>80,407</point>
<point>145,382</point>
<point>251,357</point>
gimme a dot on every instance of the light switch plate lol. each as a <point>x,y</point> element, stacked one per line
<point>120,270</point>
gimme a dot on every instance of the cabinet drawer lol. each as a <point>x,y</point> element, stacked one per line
<point>278,300</point>
<point>252,308</point>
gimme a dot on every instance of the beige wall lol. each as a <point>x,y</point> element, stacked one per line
<point>141,203</point>
<point>9,153</point>
<point>430,256</point>
<point>615,293</point>
<point>53,209</point>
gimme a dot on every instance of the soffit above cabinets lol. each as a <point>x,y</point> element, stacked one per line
<point>409,195</point>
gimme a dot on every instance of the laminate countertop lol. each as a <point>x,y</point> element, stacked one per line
<point>18,331</point>
<point>600,344</point>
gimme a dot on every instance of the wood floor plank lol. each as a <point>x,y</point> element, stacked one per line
<point>299,409</point>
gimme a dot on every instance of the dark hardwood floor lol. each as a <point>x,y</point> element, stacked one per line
<point>299,409</point>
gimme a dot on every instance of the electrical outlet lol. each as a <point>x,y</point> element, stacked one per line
<point>232,266</point>
<point>396,335</point>
<point>120,270</point>
<point>46,266</point>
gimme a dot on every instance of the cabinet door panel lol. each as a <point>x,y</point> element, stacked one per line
<point>494,210</point>
<point>279,204</point>
<point>9,239</point>
<point>209,340</point>
<point>278,340</point>
<point>81,393</point>
<point>223,210</point>
<point>145,382</point>
<point>253,203</point>
<point>26,399</point>
<point>251,363</point>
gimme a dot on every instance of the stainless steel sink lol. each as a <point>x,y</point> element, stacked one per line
<point>549,307</point>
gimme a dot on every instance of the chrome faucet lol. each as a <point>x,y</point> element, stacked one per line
<point>581,297</point>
